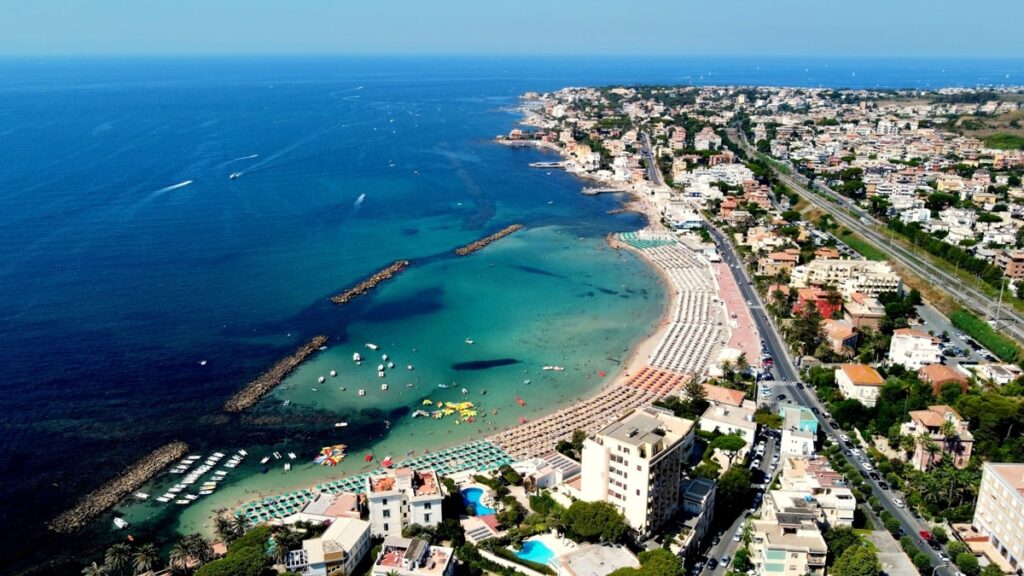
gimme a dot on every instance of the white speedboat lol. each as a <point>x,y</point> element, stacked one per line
<point>163,499</point>
<point>372,346</point>
<point>391,365</point>
<point>277,455</point>
<point>183,502</point>
<point>409,367</point>
<point>321,380</point>
<point>334,373</point>
<point>384,357</point>
<point>292,455</point>
<point>141,495</point>
<point>205,492</point>
<point>340,424</point>
<point>121,523</point>
<point>234,175</point>
<point>287,466</point>
<point>380,373</point>
<point>265,459</point>
<point>357,357</point>
<point>384,387</point>
<point>469,341</point>
<point>380,367</point>
<point>362,392</point>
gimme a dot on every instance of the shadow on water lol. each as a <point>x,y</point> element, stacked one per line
<point>484,364</point>
<point>420,303</point>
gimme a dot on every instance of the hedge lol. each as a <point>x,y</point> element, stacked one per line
<point>1003,347</point>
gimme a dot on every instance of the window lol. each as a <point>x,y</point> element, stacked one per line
<point>384,502</point>
<point>637,491</point>
<point>427,506</point>
<point>387,513</point>
<point>385,527</point>
<point>426,518</point>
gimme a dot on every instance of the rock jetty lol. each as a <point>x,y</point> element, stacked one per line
<point>370,283</point>
<point>130,480</point>
<point>253,391</point>
<point>483,242</point>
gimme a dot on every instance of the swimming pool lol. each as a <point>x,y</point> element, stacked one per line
<point>472,496</point>
<point>535,551</point>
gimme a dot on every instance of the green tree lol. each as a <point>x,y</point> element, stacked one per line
<point>839,538</point>
<point>595,522</point>
<point>857,561</point>
<point>119,558</point>
<point>733,490</point>
<point>659,562</point>
<point>95,569</point>
<point>968,564</point>
<point>940,534</point>
<point>956,548</point>
<point>146,558</point>
<point>741,561</point>
<point>991,570</point>
<point>731,444</point>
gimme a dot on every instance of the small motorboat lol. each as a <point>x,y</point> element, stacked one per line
<point>380,373</point>
<point>357,357</point>
<point>287,466</point>
<point>368,458</point>
<point>234,175</point>
<point>387,461</point>
<point>205,492</point>
<point>380,367</point>
<point>265,459</point>
<point>202,362</point>
<point>334,373</point>
<point>287,402</point>
<point>362,392</point>
<point>340,424</point>
<point>391,365</point>
<point>141,495</point>
<point>465,391</point>
<point>321,380</point>
<point>277,455</point>
<point>163,499</point>
<point>409,367</point>
<point>384,387</point>
<point>469,341</point>
<point>182,502</point>
<point>121,523</point>
<point>384,357</point>
<point>372,346</point>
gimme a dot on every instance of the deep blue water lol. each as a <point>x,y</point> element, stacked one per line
<point>116,277</point>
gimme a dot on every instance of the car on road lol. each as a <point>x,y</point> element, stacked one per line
<point>800,385</point>
<point>712,564</point>
<point>899,503</point>
<point>873,475</point>
<point>725,560</point>
<point>833,424</point>
<point>883,485</point>
<point>926,535</point>
<point>737,537</point>
<point>844,437</point>
<point>868,466</point>
<point>943,556</point>
<point>781,397</point>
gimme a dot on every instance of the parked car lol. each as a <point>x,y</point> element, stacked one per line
<point>883,484</point>
<point>725,560</point>
<point>899,503</point>
<point>712,564</point>
<point>737,537</point>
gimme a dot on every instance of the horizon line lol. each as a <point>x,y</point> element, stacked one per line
<point>505,55</point>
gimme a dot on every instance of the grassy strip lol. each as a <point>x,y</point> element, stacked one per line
<point>862,246</point>
<point>1003,347</point>
<point>1005,141</point>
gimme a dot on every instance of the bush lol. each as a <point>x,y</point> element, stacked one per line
<point>922,563</point>
<point>940,534</point>
<point>974,327</point>
<point>968,564</point>
<point>956,548</point>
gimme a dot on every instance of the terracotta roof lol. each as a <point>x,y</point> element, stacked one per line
<point>862,375</point>
<point>940,374</point>
<point>838,329</point>
<point>913,333</point>
<point>724,395</point>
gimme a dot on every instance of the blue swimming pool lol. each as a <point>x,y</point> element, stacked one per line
<point>535,551</point>
<point>472,496</point>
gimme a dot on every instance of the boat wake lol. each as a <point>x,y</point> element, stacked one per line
<point>359,201</point>
<point>166,189</point>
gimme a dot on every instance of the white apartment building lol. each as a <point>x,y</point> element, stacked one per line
<point>913,349</point>
<point>400,497</point>
<point>859,382</point>
<point>999,514</point>
<point>635,463</point>
<point>728,419</point>
<point>337,551</point>
<point>412,557</point>
<point>797,437</point>
<point>848,276</point>
<point>787,546</point>
<point>832,498</point>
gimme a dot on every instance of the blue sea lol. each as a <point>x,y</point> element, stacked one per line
<point>129,257</point>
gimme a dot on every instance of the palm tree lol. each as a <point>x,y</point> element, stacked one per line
<point>929,446</point>
<point>118,557</point>
<point>180,554</point>
<point>240,524</point>
<point>284,539</point>
<point>146,558</point>
<point>199,548</point>
<point>224,528</point>
<point>95,569</point>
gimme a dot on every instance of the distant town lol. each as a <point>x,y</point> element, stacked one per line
<point>834,387</point>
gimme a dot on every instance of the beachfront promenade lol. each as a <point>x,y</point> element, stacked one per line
<point>685,342</point>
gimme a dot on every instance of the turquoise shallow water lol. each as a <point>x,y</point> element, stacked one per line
<point>535,551</point>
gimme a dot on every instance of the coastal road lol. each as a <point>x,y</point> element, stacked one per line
<point>653,173</point>
<point>785,369</point>
<point>1009,320</point>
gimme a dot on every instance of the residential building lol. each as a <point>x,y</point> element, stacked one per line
<point>697,516</point>
<point>864,311</point>
<point>859,382</point>
<point>938,375</point>
<point>722,395</point>
<point>778,262</point>
<point>815,477</point>
<point>706,139</point>
<point>635,463</point>
<point>827,303</point>
<point>938,431</point>
<point>799,431</point>
<point>729,419</point>
<point>913,349</point>
<point>594,560</point>
<point>999,513</point>
<point>998,374</point>
<point>848,276</point>
<point>787,547</point>
<point>413,557</point>
<point>1012,263</point>
<point>403,496</point>
<point>549,470</point>
<point>336,552</point>
<point>840,335</point>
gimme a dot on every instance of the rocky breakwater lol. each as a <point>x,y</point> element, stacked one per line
<point>370,283</point>
<point>483,242</point>
<point>128,481</point>
<point>253,391</point>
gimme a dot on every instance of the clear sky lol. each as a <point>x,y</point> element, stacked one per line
<point>975,28</point>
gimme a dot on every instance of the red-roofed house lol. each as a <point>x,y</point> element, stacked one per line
<point>840,335</point>
<point>827,306</point>
<point>720,395</point>
<point>938,375</point>
<point>859,382</point>
<point>938,430</point>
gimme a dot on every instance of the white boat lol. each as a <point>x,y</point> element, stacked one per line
<point>141,495</point>
<point>357,357</point>
<point>334,373</point>
<point>292,455</point>
<point>287,402</point>
<point>265,460</point>
<point>191,497</point>
<point>372,346</point>
<point>391,365</point>
<point>183,502</point>
<point>163,499</point>
<point>420,414</point>
<point>362,392</point>
<point>218,455</point>
<point>340,424</point>
<point>277,455</point>
<point>202,362</point>
<point>445,385</point>
<point>380,367</point>
<point>287,466</point>
<point>205,492</point>
<point>321,380</point>
<point>409,367</point>
<point>243,453</point>
<point>234,175</point>
<point>121,523</point>
<point>464,391</point>
<point>555,368</point>
<point>384,386</point>
<point>380,373</point>
<point>384,357</point>
<point>469,341</point>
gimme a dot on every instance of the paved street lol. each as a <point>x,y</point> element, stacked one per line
<point>785,369</point>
